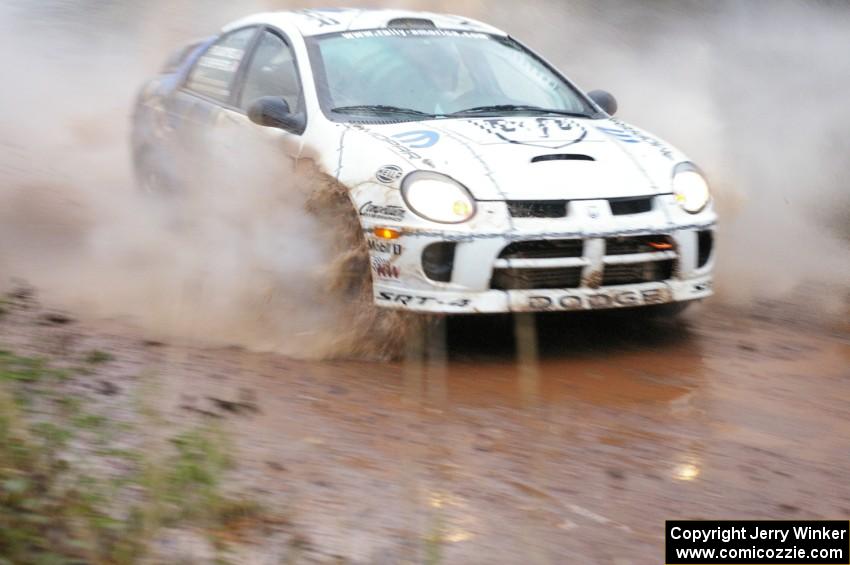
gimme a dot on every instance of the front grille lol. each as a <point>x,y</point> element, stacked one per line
<point>558,208</point>
<point>530,279</point>
<point>543,249</point>
<point>638,244</point>
<point>536,278</point>
<point>652,271</point>
<point>627,206</point>
<point>537,208</point>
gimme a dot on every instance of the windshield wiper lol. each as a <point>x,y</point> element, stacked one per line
<point>381,109</point>
<point>518,108</point>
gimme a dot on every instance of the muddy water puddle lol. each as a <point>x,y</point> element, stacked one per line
<point>609,428</point>
<point>566,439</point>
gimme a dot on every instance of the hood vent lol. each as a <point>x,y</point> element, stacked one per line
<point>411,23</point>
<point>562,157</point>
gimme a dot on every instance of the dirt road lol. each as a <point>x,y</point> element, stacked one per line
<point>471,457</point>
<point>573,449</point>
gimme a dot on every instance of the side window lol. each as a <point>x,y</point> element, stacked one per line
<point>214,72</point>
<point>178,58</point>
<point>272,72</point>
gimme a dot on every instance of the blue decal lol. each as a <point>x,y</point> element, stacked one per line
<point>419,139</point>
<point>621,135</point>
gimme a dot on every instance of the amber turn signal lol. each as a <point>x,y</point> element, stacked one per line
<point>386,233</point>
<point>660,245</point>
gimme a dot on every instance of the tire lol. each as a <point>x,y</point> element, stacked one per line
<point>372,332</point>
<point>151,177</point>
<point>671,310</point>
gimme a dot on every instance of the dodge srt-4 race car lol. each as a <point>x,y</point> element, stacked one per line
<point>483,179</point>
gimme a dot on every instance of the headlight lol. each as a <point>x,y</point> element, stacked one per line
<point>690,188</point>
<point>437,197</point>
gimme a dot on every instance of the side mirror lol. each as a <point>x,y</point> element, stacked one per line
<point>604,100</point>
<point>274,112</point>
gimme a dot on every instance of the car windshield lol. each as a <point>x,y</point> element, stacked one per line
<point>422,73</point>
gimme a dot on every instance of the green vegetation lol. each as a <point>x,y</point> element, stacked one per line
<point>27,369</point>
<point>47,515</point>
<point>98,357</point>
<point>433,542</point>
<point>54,510</point>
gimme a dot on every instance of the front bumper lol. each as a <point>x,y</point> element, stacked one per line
<point>589,260</point>
<point>545,300</point>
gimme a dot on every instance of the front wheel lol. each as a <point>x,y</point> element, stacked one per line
<point>370,332</point>
<point>666,311</point>
<point>152,174</point>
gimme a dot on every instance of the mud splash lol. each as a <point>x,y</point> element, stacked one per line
<point>365,331</point>
<point>71,222</point>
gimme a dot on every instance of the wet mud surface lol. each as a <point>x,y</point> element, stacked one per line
<point>571,449</point>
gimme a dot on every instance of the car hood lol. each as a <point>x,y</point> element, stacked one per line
<point>525,158</point>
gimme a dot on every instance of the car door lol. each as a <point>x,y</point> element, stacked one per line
<point>272,71</point>
<point>268,153</point>
<point>205,99</point>
<point>243,66</point>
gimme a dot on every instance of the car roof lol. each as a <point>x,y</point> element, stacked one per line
<point>333,20</point>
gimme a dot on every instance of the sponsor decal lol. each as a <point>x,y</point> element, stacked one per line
<point>418,139</point>
<point>221,58</point>
<point>386,247</point>
<point>619,135</point>
<point>422,32</point>
<point>384,269</point>
<point>638,135</point>
<point>372,210</point>
<point>417,300</point>
<point>388,174</point>
<point>621,299</point>
<point>548,132</point>
<point>399,147</point>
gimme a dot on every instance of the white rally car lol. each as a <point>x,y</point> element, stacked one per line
<point>484,180</point>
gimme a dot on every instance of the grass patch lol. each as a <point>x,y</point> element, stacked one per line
<point>47,515</point>
<point>433,543</point>
<point>51,511</point>
<point>186,488</point>
<point>90,421</point>
<point>27,369</point>
<point>98,357</point>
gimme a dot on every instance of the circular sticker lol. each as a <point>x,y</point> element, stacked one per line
<point>388,174</point>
